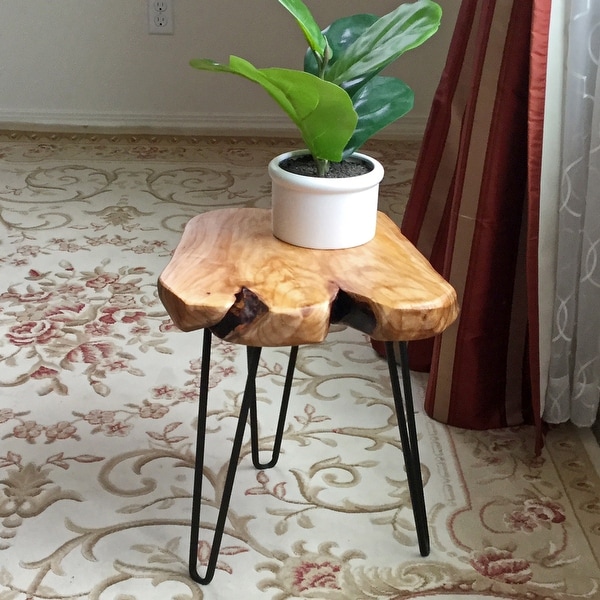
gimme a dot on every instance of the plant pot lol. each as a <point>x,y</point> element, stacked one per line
<point>324,213</point>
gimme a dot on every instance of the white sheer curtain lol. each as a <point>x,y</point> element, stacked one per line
<point>570,227</point>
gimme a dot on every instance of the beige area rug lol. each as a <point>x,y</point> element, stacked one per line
<point>99,396</point>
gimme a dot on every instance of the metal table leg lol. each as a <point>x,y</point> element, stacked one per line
<point>248,405</point>
<point>408,436</point>
<point>406,426</point>
<point>287,388</point>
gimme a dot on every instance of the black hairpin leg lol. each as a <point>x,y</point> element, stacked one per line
<point>248,405</point>
<point>280,423</point>
<point>405,414</point>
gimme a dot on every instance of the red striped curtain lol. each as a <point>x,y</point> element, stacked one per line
<point>473,212</point>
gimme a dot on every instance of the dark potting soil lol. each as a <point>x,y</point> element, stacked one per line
<point>305,165</point>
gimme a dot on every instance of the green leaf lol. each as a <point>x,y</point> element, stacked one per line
<point>340,34</point>
<point>322,111</point>
<point>403,29</point>
<point>380,102</point>
<point>312,32</point>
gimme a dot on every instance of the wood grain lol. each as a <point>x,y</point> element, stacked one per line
<point>230,274</point>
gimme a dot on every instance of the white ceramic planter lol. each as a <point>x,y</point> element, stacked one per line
<point>324,213</point>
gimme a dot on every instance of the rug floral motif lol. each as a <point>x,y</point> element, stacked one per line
<point>98,405</point>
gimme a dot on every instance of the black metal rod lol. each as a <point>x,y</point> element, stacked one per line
<point>405,414</point>
<point>289,377</point>
<point>199,461</point>
<point>406,426</point>
<point>249,392</point>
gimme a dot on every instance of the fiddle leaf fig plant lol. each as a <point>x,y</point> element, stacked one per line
<point>339,100</point>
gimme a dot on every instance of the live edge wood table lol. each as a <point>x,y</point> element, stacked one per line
<point>231,277</point>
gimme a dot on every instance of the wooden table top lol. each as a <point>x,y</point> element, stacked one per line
<point>230,274</point>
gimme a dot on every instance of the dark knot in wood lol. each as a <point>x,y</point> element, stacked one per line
<point>355,313</point>
<point>245,310</point>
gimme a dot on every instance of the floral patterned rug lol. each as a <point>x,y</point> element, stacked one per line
<point>98,398</point>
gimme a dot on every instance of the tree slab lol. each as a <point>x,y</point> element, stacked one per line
<point>231,275</point>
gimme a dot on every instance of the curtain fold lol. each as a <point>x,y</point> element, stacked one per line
<point>473,212</point>
<point>574,362</point>
<point>538,89</point>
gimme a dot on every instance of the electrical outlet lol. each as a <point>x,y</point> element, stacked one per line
<point>160,16</point>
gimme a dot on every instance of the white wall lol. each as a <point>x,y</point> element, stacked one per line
<point>92,63</point>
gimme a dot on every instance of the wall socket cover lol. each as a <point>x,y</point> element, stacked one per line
<point>160,16</point>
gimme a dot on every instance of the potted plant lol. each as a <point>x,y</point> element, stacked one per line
<point>337,102</point>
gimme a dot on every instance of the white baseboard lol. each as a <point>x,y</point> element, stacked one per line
<point>408,127</point>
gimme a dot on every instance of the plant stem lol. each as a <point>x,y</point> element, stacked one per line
<point>322,166</point>
<point>322,61</point>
